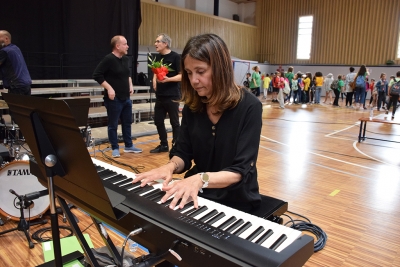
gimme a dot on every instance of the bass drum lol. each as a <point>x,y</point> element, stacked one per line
<point>17,176</point>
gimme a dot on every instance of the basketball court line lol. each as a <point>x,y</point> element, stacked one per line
<point>323,156</point>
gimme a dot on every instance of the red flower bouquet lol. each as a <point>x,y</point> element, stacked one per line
<point>159,68</point>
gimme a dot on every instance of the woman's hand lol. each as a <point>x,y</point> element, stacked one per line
<point>164,172</point>
<point>187,189</point>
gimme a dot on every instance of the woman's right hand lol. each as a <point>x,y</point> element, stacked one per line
<point>164,172</point>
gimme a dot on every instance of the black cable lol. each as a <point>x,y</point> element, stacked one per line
<point>38,234</point>
<point>87,227</point>
<point>135,169</point>
<point>306,225</point>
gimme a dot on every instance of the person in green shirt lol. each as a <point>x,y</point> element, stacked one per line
<point>393,99</point>
<point>289,75</point>
<point>255,81</point>
<point>338,90</point>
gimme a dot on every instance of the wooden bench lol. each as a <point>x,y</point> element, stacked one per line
<point>99,98</point>
<point>137,109</point>
<point>363,127</point>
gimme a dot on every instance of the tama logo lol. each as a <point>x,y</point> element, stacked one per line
<point>18,172</point>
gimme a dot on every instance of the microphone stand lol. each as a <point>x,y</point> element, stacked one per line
<point>23,225</point>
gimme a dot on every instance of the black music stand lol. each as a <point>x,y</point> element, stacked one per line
<point>51,131</point>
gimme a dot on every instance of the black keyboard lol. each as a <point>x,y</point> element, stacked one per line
<point>211,235</point>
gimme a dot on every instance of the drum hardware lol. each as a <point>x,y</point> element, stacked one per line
<point>25,202</point>
<point>1,222</point>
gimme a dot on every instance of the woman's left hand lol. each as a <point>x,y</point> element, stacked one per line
<point>187,189</point>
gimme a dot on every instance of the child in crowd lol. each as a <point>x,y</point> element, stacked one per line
<point>266,82</point>
<point>295,89</point>
<point>319,81</point>
<point>340,88</point>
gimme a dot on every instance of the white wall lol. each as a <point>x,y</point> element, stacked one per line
<point>227,8</point>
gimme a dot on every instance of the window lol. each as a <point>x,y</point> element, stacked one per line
<point>398,47</point>
<point>304,37</point>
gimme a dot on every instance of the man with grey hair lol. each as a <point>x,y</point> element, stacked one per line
<point>167,93</point>
<point>13,68</point>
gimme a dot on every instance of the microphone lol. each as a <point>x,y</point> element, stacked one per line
<point>35,195</point>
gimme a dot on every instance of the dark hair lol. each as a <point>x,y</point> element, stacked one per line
<point>308,74</point>
<point>266,74</point>
<point>362,70</point>
<point>352,69</point>
<point>211,49</point>
<point>398,74</point>
<point>339,77</point>
<point>290,69</point>
<point>318,74</point>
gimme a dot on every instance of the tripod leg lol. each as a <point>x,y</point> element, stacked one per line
<point>9,230</point>
<point>31,245</point>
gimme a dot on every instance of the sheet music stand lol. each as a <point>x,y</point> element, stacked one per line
<point>51,130</point>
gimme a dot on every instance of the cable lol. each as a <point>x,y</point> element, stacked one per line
<point>87,227</point>
<point>38,234</point>
<point>302,225</point>
<point>135,169</point>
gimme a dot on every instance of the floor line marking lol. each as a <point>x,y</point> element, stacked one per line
<point>323,166</point>
<point>316,154</point>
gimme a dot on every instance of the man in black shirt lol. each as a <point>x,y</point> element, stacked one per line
<point>167,93</point>
<point>113,74</point>
<point>13,68</point>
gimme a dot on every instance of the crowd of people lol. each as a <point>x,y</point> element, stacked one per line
<point>288,88</point>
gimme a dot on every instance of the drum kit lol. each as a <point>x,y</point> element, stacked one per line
<point>21,194</point>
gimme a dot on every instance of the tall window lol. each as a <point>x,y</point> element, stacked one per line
<point>304,37</point>
<point>398,47</point>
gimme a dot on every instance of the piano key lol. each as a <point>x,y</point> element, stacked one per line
<point>234,226</point>
<point>264,236</point>
<point>126,180</point>
<point>99,168</point>
<point>187,207</point>
<point>292,235</point>
<point>143,190</point>
<point>278,242</point>
<point>278,231</point>
<point>116,178</point>
<point>242,228</point>
<point>216,218</point>
<point>198,211</point>
<point>208,215</point>
<point>104,175</point>
<point>256,233</point>
<point>152,193</point>
<point>228,222</point>
<point>158,197</point>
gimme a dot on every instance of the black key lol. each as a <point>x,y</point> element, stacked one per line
<point>126,181</point>
<point>234,226</point>
<point>116,178</point>
<point>187,206</point>
<point>216,218</point>
<point>152,193</point>
<point>254,234</point>
<point>228,222</point>
<point>158,197</point>
<point>129,185</point>
<point>264,237</point>
<point>99,168</point>
<point>208,215</point>
<point>278,242</point>
<point>243,228</point>
<point>141,190</point>
<point>106,174</point>
<point>198,211</point>
<point>166,203</point>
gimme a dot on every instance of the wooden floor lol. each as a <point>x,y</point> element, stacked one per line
<point>309,157</point>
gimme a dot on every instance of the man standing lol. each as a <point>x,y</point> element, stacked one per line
<point>13,68</point>
<point>114,75</point>
<point>167,93</point>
